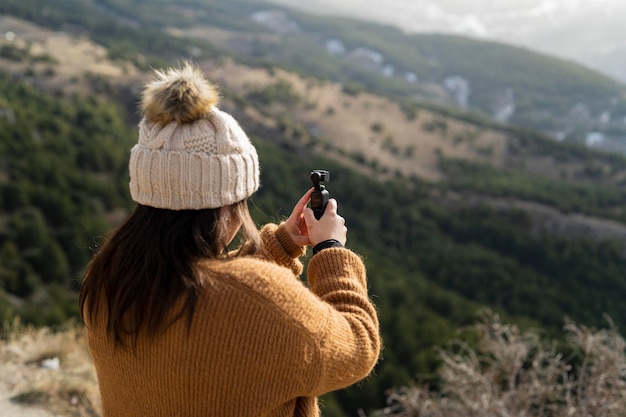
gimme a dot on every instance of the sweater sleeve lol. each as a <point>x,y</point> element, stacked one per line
<point>306,340</point>
<point>349,345</point>
<point>280,248</point>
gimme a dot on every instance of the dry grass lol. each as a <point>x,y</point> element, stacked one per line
<point>70,57</point>
<point>339,121</point>
<point>511,373</point>
<point>28,387</point>
<point>369,125</point>
<point>514,373</point>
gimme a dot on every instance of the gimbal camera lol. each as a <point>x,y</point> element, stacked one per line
<point>320,196</point>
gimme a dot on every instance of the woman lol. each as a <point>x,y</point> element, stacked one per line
<point>179,326</point>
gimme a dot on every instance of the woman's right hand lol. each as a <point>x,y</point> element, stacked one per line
<point>330,226</point>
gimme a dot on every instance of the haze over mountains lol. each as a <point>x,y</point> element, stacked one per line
<point>588,31</point>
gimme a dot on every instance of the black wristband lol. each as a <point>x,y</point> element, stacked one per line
<point>330,243</point>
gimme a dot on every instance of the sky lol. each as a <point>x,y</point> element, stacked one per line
<point>592,32</point>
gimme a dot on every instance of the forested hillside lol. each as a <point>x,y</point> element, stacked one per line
<point>63,165</point>
<point>451,211</point>
<point>558,97</point>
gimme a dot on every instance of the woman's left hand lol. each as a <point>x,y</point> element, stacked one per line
<point>295,225</point>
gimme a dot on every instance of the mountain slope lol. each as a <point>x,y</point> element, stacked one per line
<point>507,83</point>
<point>451,211</point>
<point>504,82</point>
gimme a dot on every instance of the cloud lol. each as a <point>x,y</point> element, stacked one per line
<point>549,25</point>
<point>473,25</point>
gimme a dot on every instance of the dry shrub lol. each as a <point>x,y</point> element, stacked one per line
<point>514,373</point>
<point>70,390</point>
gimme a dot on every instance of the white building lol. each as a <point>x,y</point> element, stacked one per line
<point>505,106</point>
<point>276,20</point>
<point>594,139</point>
<point>459,88</point>
<point>388,71</point>
<point>366,58</point>
<point>335,47</point>
<point>411,77</point>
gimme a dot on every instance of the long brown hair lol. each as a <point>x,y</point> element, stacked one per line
<point>150,261</point>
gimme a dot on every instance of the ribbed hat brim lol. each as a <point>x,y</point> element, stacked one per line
<point>182,180</point>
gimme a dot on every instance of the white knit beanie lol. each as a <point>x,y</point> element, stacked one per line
<point>190,154</point>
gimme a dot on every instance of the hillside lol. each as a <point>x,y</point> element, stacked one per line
<point>498,81</point>
<point>451,210</point>
<point>504,83</point>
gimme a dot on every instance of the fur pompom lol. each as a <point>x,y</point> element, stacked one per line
<point>181,95</point>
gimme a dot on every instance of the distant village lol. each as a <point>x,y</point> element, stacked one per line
<point>457,87</point>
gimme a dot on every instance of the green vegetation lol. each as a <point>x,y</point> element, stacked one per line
<point>546,89</point>
<point>432,265</point>
<point>62,171</point>
<point>602,200</point>
<point>126,36</point>
<point>542,84</point>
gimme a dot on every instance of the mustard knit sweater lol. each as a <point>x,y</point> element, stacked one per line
<point>260,344</point>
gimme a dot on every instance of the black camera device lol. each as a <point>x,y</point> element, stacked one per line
<point>319,197</point>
